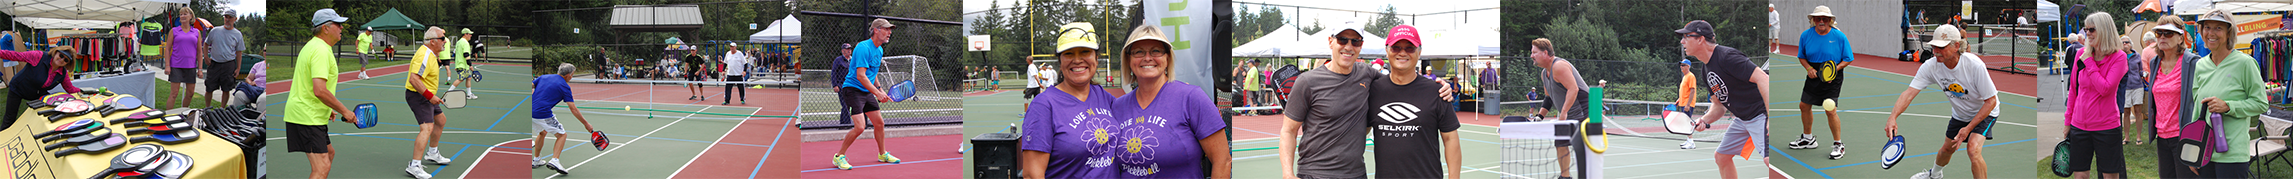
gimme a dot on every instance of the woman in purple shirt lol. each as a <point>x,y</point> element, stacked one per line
<point>1067,131</point>
<point>183,55</point>
<point>1168,126</point>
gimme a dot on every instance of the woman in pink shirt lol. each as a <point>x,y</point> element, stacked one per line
<point>2166,95</point>
<point>2093,112</point>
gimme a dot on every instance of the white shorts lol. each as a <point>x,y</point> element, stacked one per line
<point>547,125</point>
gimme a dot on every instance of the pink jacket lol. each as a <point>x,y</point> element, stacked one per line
<point>2093,104</point>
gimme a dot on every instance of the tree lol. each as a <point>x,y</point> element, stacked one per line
<point>1385,21</point>
<point>1316,28</point>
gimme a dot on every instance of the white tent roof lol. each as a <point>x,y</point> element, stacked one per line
<point>88,10</point>
<point>1315,46</point>
<point>2195,7</point>
<point>785,30</point>
<point>54,23</point>
<point>1270,45</point>
<point>2049,12</point>
<point>1464,42</point>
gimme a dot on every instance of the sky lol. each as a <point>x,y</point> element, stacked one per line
<point>1485,19</point>
<point>252,7</point>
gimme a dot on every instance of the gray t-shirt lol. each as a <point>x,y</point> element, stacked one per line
<point>221,43</point>
<point>1332,106</point>
<point>1557,94</point>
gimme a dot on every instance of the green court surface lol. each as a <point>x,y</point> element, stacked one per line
<point>644,147</point>
<point>988,114</point>
<point>495,118</point>
<point>1864,102</point>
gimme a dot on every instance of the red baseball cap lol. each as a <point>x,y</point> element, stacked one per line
<point>1403,32</point>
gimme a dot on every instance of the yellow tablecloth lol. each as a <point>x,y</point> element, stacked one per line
<point>212,157</point>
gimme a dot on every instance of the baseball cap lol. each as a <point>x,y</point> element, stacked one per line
<point>1699,27</point>
<point>732,44</point>
<point>847,46</point>
<point>881,23</point>
<point>1403,32</point>
<point>1077,35</point>
<point>1945,35</point>
<point>1144,33</point>
<point>1824,11</point>
<point>1349,25</point>
<point>326,15</point>
<point>467,31</point>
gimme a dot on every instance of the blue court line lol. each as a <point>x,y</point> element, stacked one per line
<point>1796,160</point>
<point>506,115</point>
<point>457,155</point>
<point>767,152</point>
<point>1928,153</point>
<point>883,164</point>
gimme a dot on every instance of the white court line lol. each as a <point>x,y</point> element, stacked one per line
<point>721,139</point>
<point>1911,114</point>
<point>1908,75</point>
<point>639,137</point>
<point>482,158</point>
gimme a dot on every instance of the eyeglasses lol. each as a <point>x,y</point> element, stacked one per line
<point>1349,41</point>
<point>2167,34</point>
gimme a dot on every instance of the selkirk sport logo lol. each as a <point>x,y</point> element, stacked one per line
<point>1397,112</point>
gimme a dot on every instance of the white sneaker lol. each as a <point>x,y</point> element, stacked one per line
<point>1931,173</point>
<point>362,75</point>
<point>470,95</point>
<point>537,163</point>
<point>1806,141</point>
<point>433,157</point>
<point>414,168</point>
<point>552,164</point>
<point>1838,149</point>
<point>1688,144</point>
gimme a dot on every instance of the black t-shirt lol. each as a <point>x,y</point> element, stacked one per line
<point>1729,78</point>
<point>1407,121</point>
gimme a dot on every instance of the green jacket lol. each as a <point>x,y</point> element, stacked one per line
<point>2237,81</point>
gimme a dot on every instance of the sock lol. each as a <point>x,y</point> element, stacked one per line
<point>413,163</point>
<point>1836,142</point>
<point>1807,136</point>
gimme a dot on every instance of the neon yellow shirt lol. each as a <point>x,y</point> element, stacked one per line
<point>460,53</point>
<point>316,61</point>
<point>424,68</point>
<point>363,41</point>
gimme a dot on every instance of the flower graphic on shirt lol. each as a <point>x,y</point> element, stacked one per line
<point>1138,143</point>
<point>1098,134</point>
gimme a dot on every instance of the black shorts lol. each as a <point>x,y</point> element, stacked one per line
<point>2101,150</point>
<point>1983,129</point>
<point>222,75</point>
<point>307,139</point>
<point>857,101</point>
<point>424,111</point>
<point>692,77</point>
<point>183,75</point>
<point>1030,94</point>
<point>1815,90</point>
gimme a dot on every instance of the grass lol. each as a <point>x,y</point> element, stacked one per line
<point>166,97</point>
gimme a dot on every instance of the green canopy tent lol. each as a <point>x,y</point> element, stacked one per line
<point>393,21</point>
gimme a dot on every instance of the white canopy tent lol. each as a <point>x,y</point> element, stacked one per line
<point>49,14</point>
<point>1317,45</point>
<point>2199,7</point>
<point>1270,45</point>
<point>1459,43</point>
<point>785,30</point>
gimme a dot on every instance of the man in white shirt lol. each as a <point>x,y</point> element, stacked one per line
<point>736,70</point>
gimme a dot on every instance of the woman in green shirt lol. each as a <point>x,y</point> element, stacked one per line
<point>2233,88</point>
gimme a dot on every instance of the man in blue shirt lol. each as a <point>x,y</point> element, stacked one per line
<point>860,93</point>
<point>1823,50</point>
<point>548,90</point>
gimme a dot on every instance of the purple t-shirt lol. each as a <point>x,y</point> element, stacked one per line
<point>1076,132</point>
<point>1162,140</point>
<point>183,49</point>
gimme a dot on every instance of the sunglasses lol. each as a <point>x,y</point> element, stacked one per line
<point>2167,34</point>
<point>1349,41</point>
<point>1411,48</point>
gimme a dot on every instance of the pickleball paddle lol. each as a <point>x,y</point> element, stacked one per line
<point>134,158</point>
<point>1678,122</point>
<point>52,99</point>
<point>164,137</point>
<point>155,129</point>
<point>92,147</point>
<point>366,115</point>
<point>144,114</point>
<point>75,125</point>
<point>100,134</point>
<point>82,131</point>
<point>903,91</point>
<point>121,102</point>
<point>1892,153</point>
<point>177,164</point>
<point>150,122</point>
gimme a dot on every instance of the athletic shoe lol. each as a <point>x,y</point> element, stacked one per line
<point>362,75</point>
<point>433,157</point>
<point>1931,173</point>
<point>414,168</point>
<point>552,164</point>
<point>1688,144</point>
<point>840,164</point>
<point>692,97</point>
<point>471,95</point>
<point>1806,141</point>
<point>886,157</point>
<point>1837,150</point>
<point>537,163</point>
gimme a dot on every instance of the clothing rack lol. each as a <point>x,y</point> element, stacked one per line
<point>2271,51</point>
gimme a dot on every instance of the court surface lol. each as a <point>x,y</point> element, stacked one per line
<point>1865,100</point>
<point>922,131</point>
<point>659,144</point>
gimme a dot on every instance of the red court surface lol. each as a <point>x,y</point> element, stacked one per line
<point>283,86</point>
<point>1890,65</point>
<point>1267,126</point>
<point>985,93</point>
<point>922,157</point>
<point>500,162</point>
<point>775,160</point>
